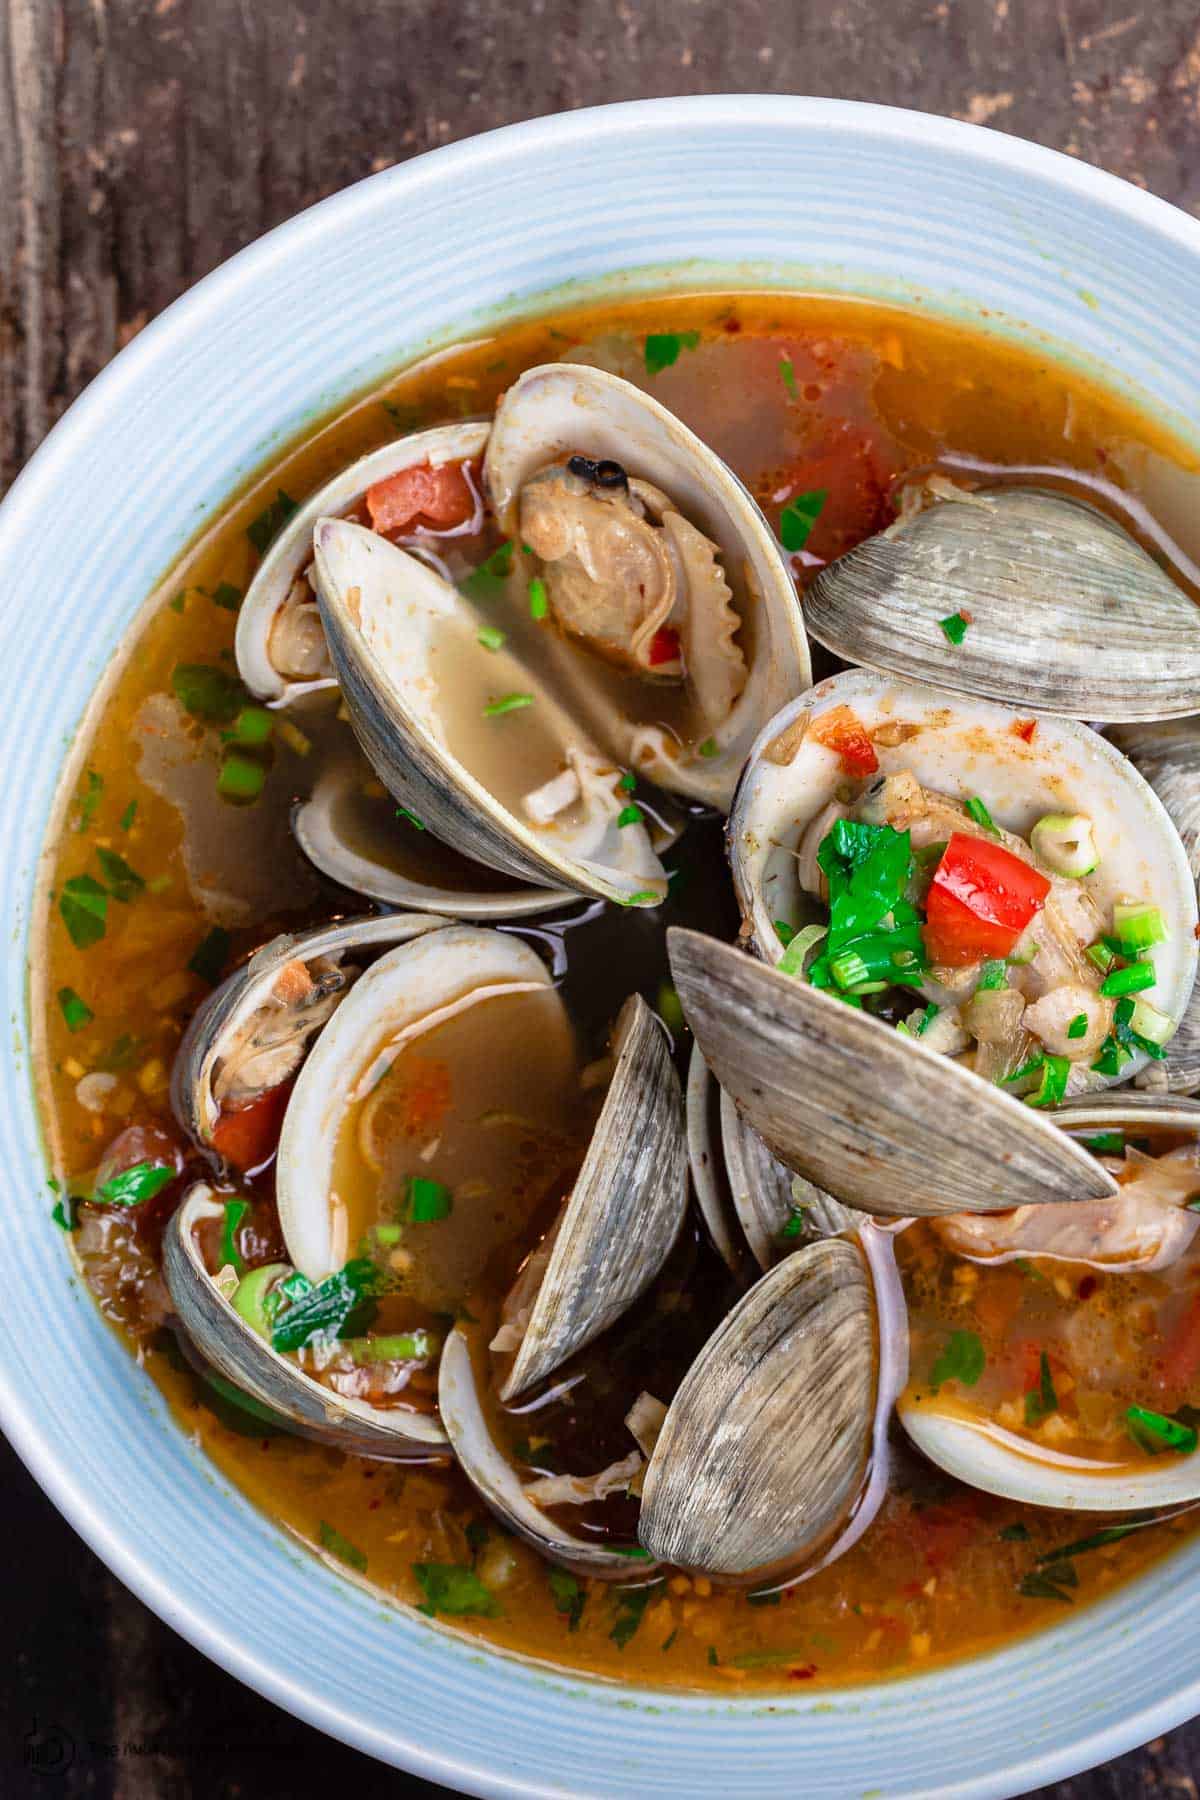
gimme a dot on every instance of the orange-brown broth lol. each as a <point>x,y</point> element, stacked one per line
<point>798,393</point>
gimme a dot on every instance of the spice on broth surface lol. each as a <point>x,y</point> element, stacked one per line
<point>176,860</point>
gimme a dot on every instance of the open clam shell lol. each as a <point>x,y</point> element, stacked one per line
<point>706,1160</point>
<point>625,1210</point>
<point>256,1028</point>
<point>499,1485</point>
<point>876,1119</point>
<point>961,748</point>
<point>327,830</point>
<point>403,642</point>
<point>985,1455</point>
<point>234,1348</point>
<point>262,644</point>
<point>1167,753</point>
<point>1029,570</point>
<point>773,1451</point>
<point>404,995</point>
<point>561,411</point>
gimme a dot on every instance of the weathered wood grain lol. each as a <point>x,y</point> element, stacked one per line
<point>141,143</point>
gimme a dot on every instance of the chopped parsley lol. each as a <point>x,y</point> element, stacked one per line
<point>628,781</point>
<point>128,816</point>
<point>630,815</point>
<point>450,1588</point>
<point>1042,1400</point>
<point>789,375</point>
<point>955,627</point>
<point>90,800</point>
<point>1078,1026</point>
<point>491,637</point>
<point>709,748</point>
<point>663,348</point>
<point>1105,1143</point>
<point>569,1596</point>
<point>324,1310</point>
<point>123,882</point>
<point>235,1212</point>
<point>669,1008</point>
<point>427,1201</point>
<point>208,958</point>
<point>1039,1585</point>
<point>960,1359</point>
<point>270,522</point>
<point>538,601</point>
<point>402,812</point>
<point>978,811</point>
<point>132,1187</point>
<point>487,581</point>
<point>83,904</point>
<point>75,1011</point>
<point>874,935</point>
<point>341,1547</point>
<point>799,516</point>
<point>226,596</point>
<point>208,692</point>
<point>631,1604</point>
<point>1014,1534</point>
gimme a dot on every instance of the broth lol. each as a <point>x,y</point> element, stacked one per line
<point>798,394</point>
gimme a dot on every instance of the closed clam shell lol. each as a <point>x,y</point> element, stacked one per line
<point>766,1443</point>
<point>243,1002</point>
<point>875,1119</point>
<point>1066,612</point>
<point>625,1209</point>
<point>236,1350</point>
<point>291,552</point>
<point>565,409</point>
<point>1167,753</point>
<point>498,1484</point>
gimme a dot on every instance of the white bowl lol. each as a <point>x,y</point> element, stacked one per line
<point>733,191</point>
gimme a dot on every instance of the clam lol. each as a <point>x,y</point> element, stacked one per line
<point>471,740</point>
<point>678,629</point>
<point>337,833</point>
<point>977,1450</point>
<point>1167,753</point>
<point>772,1459</point>
<point>931,753</point>
<point>462,1407</point>
<point>1029,572</point>
<point>876,1119</point>
<point>243,1356</point>
<point>616,1230</point>
<point>747,1199</point>
<point>280,644</point>
<point>253,1032</point>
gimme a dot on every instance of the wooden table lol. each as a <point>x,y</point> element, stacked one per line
<point>141,143</point>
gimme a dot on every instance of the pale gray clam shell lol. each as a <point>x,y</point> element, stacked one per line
<point>499,1485</point>
<point>767,1441</point>
<point>1167,753</point>
<point>874,1118</point>
<point>625,1210</point>
<point>235,1349</point>
<point>291,552</point>
<point>1068,614</point>
<point>230,1003</point>
<point>316,832</point>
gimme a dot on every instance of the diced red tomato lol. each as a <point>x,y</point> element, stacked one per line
<point>664,647</point>
<point>423,495</point>
<point>248,1135</point>
<point>980,901</point>
<point>1180,1363</point>
<point>841,730</point>
<point>1024,729</point>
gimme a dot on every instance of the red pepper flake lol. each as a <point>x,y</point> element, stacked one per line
<point>805,1673</point>
<point>732,325</point>
<point>1087,1287</point>
<point>1024,729</point>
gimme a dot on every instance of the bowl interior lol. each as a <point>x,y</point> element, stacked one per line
<point>723,192</point>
